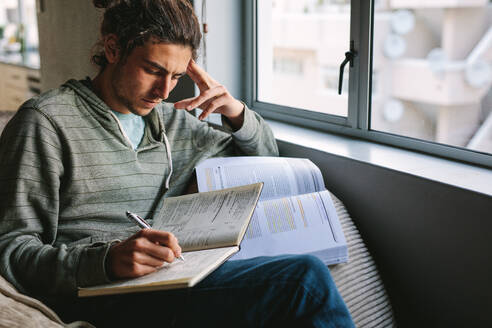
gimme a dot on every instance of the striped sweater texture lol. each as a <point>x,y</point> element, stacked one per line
<point>68,174</point>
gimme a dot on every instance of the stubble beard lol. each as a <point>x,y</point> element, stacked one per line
<point>119,90</point>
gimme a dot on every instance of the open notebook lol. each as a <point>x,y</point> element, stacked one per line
<point>209,227</point>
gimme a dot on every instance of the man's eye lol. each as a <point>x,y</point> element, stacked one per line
<point>151,71</point>
<point>177,77</point>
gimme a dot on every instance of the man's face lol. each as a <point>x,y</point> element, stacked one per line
<point>147,76</point>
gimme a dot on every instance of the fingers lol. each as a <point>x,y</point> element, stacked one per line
<point>142,253</point>
<point>199,76</point>
<point>152,251</point>
<point>213,97</point>
<point>218,94</point>
<point>160,244</point>
<point>182,104</point>
<point>138,259</point>
<point>212,106</point>
<point>215,92</point>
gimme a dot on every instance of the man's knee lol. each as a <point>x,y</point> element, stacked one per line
<point>303,273</point>
<point>318,295</point>
<point>311,269</point>
<point>311,262</point>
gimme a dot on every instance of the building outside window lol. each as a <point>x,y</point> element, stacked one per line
<point>431,66</point>
<point>18,26</point>
<point>19,41</point>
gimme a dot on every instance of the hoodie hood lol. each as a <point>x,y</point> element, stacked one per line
<point>102,113</point>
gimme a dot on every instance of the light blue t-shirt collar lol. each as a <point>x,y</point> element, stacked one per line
<point>133,125</point>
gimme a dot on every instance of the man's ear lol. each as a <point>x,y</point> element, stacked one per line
<point>111,48</point>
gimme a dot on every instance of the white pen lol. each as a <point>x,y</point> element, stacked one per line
<point>143,225</point>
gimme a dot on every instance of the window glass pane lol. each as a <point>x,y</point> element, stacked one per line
<point>301,44</point>
<point>432,71</point>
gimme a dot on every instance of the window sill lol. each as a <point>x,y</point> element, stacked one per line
<point>449,172</point>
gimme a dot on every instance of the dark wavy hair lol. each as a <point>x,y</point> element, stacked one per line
<point>136,21</point>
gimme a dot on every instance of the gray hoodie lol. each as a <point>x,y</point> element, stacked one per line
<point>68,174</point>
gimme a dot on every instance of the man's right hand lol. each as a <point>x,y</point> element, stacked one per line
<point>141,254</point>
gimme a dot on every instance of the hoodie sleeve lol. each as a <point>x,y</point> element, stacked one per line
<point>31,173</point>
<point>254,138</point>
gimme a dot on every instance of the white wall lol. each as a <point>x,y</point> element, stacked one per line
<point>224,42</point>
<point>67,32</point>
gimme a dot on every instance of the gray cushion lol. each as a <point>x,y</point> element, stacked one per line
<point>358,281</point>
<point>21,311</point>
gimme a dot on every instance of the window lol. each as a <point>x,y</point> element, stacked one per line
<point>18,26</point>
<point>297,61</point>
<point>421,77</point>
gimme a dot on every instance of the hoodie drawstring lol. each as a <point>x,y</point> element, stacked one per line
<point>169,159</point>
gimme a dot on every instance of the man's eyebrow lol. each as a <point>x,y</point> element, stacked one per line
<point>161,68</point>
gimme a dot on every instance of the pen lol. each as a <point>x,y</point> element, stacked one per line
<point>143,224</point>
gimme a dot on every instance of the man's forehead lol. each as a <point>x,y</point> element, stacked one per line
<point>174,58</point>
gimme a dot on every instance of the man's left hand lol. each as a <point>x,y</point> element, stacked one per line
<point>213,97</point>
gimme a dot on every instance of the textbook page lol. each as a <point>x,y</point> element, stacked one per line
<point>178,274</point>
<point>282,176</point>
<point>209,219</point>
<point>301,224</point>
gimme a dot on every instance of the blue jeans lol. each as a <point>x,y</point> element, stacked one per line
<point>281,291</point>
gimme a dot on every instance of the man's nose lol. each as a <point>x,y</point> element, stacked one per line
<point>164,87</point>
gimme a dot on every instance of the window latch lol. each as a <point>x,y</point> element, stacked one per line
<point>349,58</point>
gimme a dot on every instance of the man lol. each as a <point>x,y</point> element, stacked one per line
<point>74,159</point>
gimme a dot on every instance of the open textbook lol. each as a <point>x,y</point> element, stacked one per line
<point>209,227</point>
<point>295,213</point>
